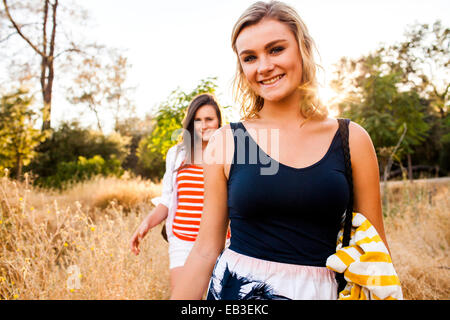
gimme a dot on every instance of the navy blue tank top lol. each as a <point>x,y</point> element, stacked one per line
<point>292,216</point>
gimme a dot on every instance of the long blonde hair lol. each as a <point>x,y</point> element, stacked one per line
<point>251,103</point>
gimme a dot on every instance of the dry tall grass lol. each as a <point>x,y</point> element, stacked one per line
<point>74,245</point>
<point>70,246</point>
<point>418,231</point>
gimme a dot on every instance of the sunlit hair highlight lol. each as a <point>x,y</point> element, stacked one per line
<point>251,103</point>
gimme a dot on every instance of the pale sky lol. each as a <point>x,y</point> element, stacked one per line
<point>174,44</point>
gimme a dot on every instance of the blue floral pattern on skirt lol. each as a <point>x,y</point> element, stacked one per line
<point>231,286</point>
<point>240,277</point>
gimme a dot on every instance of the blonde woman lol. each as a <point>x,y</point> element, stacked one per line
<point>285,219</point>
<point>183,186</point>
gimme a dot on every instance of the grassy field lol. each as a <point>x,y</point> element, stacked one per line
<point>74,244</point>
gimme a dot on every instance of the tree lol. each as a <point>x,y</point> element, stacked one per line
<point>18,137</point>
<point>135,128</point>
<point>100,84</point>
<point>43,23</point>
<point>406,82</point>
<point>422,59</point>
<point>374,100</point>
<point>87,88</point>
<point>118,93</point>
<point>46,50</point>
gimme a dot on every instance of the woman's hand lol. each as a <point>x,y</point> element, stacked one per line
<point>154,218</point>
<point>138,235</point>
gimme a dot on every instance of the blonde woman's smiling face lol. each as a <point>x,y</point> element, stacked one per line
<point>270,59</point>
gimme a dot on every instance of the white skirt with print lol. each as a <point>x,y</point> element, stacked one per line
<point>240,277</point>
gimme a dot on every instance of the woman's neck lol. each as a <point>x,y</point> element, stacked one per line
<point>199,153</point>
<point>283,111</point>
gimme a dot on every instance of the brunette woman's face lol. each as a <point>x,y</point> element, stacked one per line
<point>270,58</point>
<point>205,122</point>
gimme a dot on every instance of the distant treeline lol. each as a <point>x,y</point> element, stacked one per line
<point>398,93</point>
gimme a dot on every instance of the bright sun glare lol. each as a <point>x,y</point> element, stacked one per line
<point>328,96</point>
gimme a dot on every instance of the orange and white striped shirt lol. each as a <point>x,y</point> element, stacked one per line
<point>186,223</point>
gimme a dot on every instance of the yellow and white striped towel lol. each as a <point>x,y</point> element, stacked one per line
<point>366,264</point>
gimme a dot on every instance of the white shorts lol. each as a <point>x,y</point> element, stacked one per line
<point>178,251</point>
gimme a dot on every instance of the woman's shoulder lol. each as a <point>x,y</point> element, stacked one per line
<point>358,134</point>
<point>223,134</point>
<point>360,142</point>
<point>178,148</point>
<point>220,145</point>
<point>173,149</point>
<point>331,123</point>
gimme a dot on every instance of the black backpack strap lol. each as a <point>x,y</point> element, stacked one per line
<point>343,128</point>
<point>347,223</point>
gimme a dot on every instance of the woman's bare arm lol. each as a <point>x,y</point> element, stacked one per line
<point>366,178</point>
<point>155,217</point>
<point>213,227</point>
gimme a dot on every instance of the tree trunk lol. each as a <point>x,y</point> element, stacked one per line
<point>46,89</point>
<point>410,175</point>
<point>99,125</point>
<point>49,71</point>
<point>47,95</point>
<point>387,168</point>
<point>19,166</point>
<point>97,117</point>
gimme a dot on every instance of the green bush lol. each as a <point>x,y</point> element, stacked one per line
<point>70,142</point>
<point>81,170</point>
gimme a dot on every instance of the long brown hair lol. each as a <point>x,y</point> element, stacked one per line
<point>188,124</point>
<point>251,103</point>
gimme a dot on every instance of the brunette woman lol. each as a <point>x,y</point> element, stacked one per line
<point>181,202</point>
